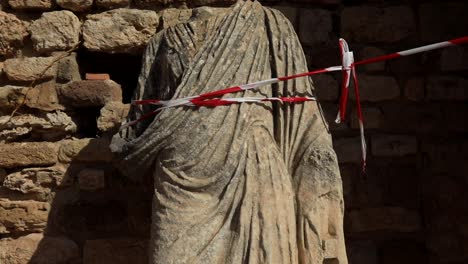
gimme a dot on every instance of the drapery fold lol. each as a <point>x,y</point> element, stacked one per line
<point>232,182</point>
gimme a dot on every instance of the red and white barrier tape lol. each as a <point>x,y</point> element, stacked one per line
<point>348,68</point>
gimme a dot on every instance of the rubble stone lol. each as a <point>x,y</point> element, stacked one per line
<point>111,4</point>
<point>88,149</point>
<point>29,69</point>
<point>383,219</point>
<point>43,97</point>
<point>12,34</point>
<point>119,30</point>
<point>28,154</point>
<point>58,30</point>
<point>174,16</point>
<point>116,251</point>
<point>447,88</point>
<point>348,150</point>
<point>393,145</point>
<point>23,216</point>
<point>454,59</point>
<point>89,93</point>
<point>39,5</point>
<point>326,87</point>
<point>43,126</point>
<point>435,18</point>
<point>75,5</point>
<point>112,115</point>
<point>377,88</point>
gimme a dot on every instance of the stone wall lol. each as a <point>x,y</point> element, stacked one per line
<point>62,202</point>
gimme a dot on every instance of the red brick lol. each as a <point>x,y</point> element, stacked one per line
<point>97,76</point>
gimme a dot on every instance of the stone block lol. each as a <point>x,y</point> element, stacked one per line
<point>91,179</point>
<point>393,145</point>
<point>315,27</point>
<point>37,182</point>
<point>23,216</point>
<point>417,118</point>
<point>377,24</point>
<point>116,251</point>
<point>43,97</point>
<point>120,30</point>
<point>75,5</point>
<point>371,52</point>
<point>436,18</point>
<point>55,31</point>
<point>449,88</point>
<point>30,69</point>
<point>28,154</point>
<point>454,59</point>
<point>376,88</point>
<point>392,219</point>
<point>111,4</point>
<point>348,150</point>
<point>42,126</point>
<point>13,32</point>
<point>414,89</point>
<point>68,69</point>
<point>326,87</point>
<point>112,115</point>
<point>35,248</point>
<point>87,150</point>
<point>38,5</point>
<point>11,96</point>
<point>373,118</point>
<point>90,93</point>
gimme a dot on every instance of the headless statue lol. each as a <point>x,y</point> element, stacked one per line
<point>244,183</point>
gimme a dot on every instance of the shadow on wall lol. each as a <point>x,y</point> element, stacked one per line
<point>106,215</point>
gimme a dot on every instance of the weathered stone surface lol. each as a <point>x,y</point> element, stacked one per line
<point>28,154</point>
<point>116,251</point>
<point>29,69</point>
<point>374,24</point>
<point>111,4</point>
<point>23,216</point>
<point>447,88</point>
<point>35,248</point>
<point>43,97</point>
<point>68,69</point>
<point>58,30</point>
<point>89,93</point>
<point>43,126</point>
<point>316,27</point>
<point>393,145</point>
<point>174,16</point>
<point>414,89</point>
<point>88,149</point>
<point>42,5</point>
<point>454,59</point>
<point>91,179</point>
<point>435,18</point>
<point>228,147</point>
<point>120,30</point>
<point>182,3</point>
<point>377,88</point>
<point>326,87</point>
<point>348,150</point>
<point>12,34</point>
<point>36,181</point>
<point>383,219</point>
<point>112,115</point>
<point>11,96</point>
<point>75,5</point>
<point>362,252</point>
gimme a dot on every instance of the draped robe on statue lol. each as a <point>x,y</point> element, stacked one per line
<point>245,183</point>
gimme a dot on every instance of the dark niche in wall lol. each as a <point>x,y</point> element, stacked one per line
<point>122,68</point>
